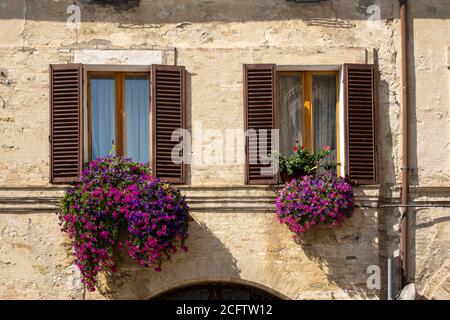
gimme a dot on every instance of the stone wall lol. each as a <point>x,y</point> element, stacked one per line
<point>234,237</point>
<point>212,40</point>
<point>430,151</point>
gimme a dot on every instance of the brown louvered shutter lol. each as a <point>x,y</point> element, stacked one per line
<point>168,113</point>
<point>259,102</point>
<point>360,119</point>
<point>66,127</point>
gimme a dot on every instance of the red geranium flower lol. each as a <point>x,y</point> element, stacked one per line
<point>295,148</point>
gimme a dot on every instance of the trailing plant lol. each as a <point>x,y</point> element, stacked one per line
<point>116,195</point>
<point>312,200</point>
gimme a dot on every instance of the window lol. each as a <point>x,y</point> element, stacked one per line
<point>119,115</point>
<point>303,106</point>
<point>308,111</point>
<point>112,115</point>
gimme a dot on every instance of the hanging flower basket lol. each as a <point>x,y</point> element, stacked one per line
<point>313,200</point>
<point>118,204</point>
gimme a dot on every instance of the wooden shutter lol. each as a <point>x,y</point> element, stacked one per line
<point>360,120</point>
<point>168,113</point>
<point>259,102</point>
<point>66,127</point>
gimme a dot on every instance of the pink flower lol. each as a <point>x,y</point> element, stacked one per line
<point>314,200</point>
<point>326,148</point>
<point>104,234</point>
<point>155,215</point>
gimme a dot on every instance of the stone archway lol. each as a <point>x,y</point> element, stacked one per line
<point>216,291</point>
<point>438,286</point>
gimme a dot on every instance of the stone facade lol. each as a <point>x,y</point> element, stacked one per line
<point>235,236</point>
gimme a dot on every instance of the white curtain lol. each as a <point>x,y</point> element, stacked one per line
<point>291,112</point>
<point>137,114</point>
<point>102,116</point>
<point>324,112</point>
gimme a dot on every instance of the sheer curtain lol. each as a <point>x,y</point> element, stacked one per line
<point>324,112</point>
<point>137,115</point>
<point>291,112</point>
<point>102,116</point>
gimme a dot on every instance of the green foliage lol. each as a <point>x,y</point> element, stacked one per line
<point>304,162</point>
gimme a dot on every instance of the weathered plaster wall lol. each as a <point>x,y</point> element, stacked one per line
<point>12,15</point>
<point>203,34</point>
<point>213,39</point>
<point>261,253</point>
<point>431,147</point>
<point>238,241</point>
<point>34,259</point>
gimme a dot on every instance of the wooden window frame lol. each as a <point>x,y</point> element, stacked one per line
<point>120,114</point>
<point>308,106</point>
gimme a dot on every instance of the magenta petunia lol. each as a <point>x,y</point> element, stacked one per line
<point>116,194</point>
<point>313,200</point>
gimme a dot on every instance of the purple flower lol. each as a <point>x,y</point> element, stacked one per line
<point>104,234</point>
<point>116,194</point>
<point>314,200</point>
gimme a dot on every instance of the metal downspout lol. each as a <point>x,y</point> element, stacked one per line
<point>405,144</point>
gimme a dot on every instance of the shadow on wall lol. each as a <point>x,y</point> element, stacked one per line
<point>388,153</point>
<point>343,253</point>
<point>388,144</point>
<point>413,171</point>
<point>134,282</point>
<point>138,13</point>
<point>347,254</point>
<point>135,13</point>
<point>188,124</point>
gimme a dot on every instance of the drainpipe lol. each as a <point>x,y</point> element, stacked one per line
<point>405,149</point>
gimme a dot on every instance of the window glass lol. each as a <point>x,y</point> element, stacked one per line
<point>137,115</point>
<point>324,112</point>
<point>102,115</point>
<point>291,112</point>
